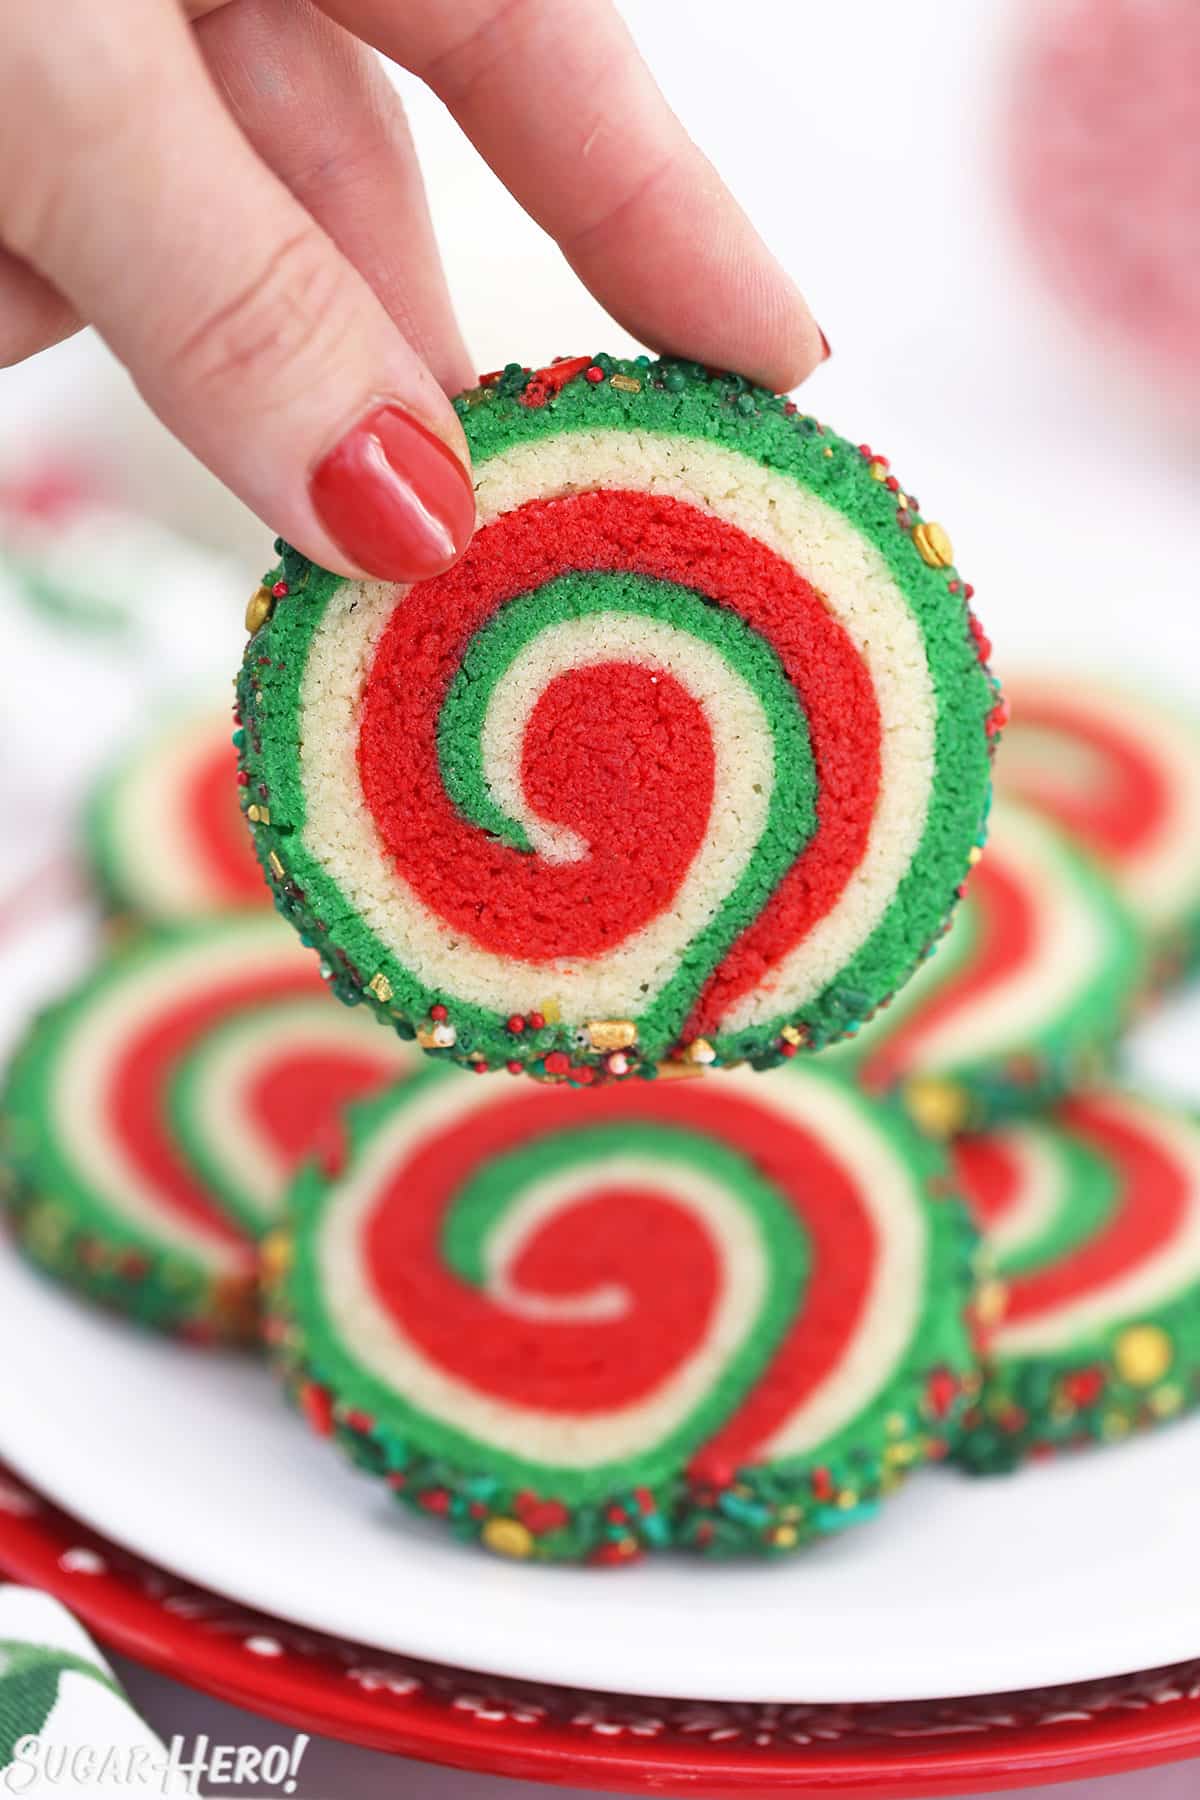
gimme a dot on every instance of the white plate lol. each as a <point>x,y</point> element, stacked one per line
<point>1079,1568</point>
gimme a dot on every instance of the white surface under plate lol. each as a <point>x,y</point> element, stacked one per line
<point>1078,1568</point>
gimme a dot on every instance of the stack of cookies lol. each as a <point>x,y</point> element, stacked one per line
<point>644,812</point>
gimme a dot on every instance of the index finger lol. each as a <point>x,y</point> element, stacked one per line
<point>559,101</point>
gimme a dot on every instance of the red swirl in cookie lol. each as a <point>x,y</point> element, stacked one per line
<point>1092,1219</point>
<point>1036,975</point>
<point>165,832</point>
<point>583,1295</point>
<point>660,752</point>
<point>110,1191</point>
<point>1120,772</point>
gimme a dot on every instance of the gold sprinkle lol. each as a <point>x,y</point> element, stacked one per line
<point>785,1536</point>
<point>827,451</point>
<point>896,1424</point>
<point>933,544</point>
<point>380,986</point>
<point>792,1034</point>
<point>275,866</point>
<point>627,384</point>
<point>678,1071</point>
<point>438,1035</point>
<point>1142,1354</point>
<point>258,608</point>
<point>1166,1400</point>
<point>551,1010</point>
<point>508,1537</point>
<point>847,1499</point>
<point>1114,1425</point>
<point>938,1107</point>
<point>611,1034</point>
<point>276,1255</point>
<point>699,1051</point>
<point>974,855</point>
<point>990,1302</point>
<point>878,470</point>
<point>259,815</point>
<point>790,1514</point>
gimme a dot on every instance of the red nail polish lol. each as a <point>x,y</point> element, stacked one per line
<point>394,498</point>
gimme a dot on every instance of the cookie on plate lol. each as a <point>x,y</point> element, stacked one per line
<point>684,759</point>
<point>1027,993</point>
<point>103,1184</point>
<point>1091,1222</point>
<point>726,1316</point>
<point>1119,770</point>
<point>163,831</point>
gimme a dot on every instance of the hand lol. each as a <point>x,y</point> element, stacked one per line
<point>228,191</point>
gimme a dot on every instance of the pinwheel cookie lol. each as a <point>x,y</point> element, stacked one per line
<point>1028,992</point>
<point>727,1316</point>
<point>153,1117</point>
<point>164,833</point>
<point>683,760</point>
<point>1120,771</point>
<point>1091,1216</point>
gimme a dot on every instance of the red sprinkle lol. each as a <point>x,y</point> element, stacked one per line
<point>316,1403</point>
<point>1084,1387</point>
<point>514,1068</point>
<point>438,1013</point>
<point>593,374</point>
<point>280,589</point>
<point>550,381</point>
<point>941,1391</point>
<point>557,1063</point>
<point>516,1023</point>
<point>821,1482</point>
<point>243,780</point>
<point>536,1021</point>
<point>787,1049</point>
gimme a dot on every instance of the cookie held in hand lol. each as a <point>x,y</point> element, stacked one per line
<point>683,762</point>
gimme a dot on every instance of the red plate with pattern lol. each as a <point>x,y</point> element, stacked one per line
<point>335,1688</point>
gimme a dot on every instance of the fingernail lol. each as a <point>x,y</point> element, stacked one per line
<point>824,345</point>
<point>394,498</point>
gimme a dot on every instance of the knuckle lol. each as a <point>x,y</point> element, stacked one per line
<point>60,112</point>
<point>285,319</point>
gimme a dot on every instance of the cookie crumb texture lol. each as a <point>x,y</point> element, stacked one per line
<point>680,766</point>
<point>152,1119</point>
<point>1091,1222</point>
<point>579,1328</point>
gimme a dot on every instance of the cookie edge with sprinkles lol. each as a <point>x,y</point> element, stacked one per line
<point>63,1230</point>
<point>538,1041</point>
<point>763,1510</point>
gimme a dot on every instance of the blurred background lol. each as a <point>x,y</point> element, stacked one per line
<point>976,200</point>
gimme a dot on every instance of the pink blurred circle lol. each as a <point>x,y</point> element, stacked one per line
<point>1106,162</point>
